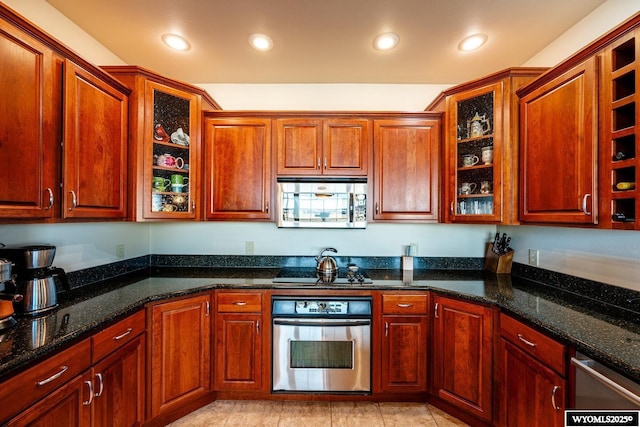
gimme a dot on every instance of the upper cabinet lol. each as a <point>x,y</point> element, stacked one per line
<point>619,153</point>
<point>94,161</point>
<point>165,145</point>
<point>63,130</point>
<point>480,169</point>
<point>406,161</point>
<point>558,148</point>
<point>322,146</point>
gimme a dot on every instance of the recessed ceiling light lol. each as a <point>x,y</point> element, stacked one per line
<point>176,42</point>
<point>386,41</point>
<point>472,42</point>
<point>260,41</point>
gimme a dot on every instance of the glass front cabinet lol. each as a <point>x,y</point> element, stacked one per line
<point>165,145</point>
<point>480,157</point>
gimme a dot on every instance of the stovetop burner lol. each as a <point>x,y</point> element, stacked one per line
<point>309,276</point>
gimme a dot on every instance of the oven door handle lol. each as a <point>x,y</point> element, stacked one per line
<point>312,323</point>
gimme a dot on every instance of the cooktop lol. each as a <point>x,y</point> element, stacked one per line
<point>309,276</point>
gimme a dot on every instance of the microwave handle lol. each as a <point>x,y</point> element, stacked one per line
<point>351,207</point>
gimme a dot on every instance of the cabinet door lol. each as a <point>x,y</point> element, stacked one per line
<point>462,353</point>
<point>119,386</point>
<point>171,153</point>
<point>529,392</point>
<point>345,147</point>
<point>299,146</point>
<point>94,148</point>
<point>474,157</point>
<point>69,405</point>
<point>404,354</point>
<point>238,352</point>
<point>406,169</point>
<point>180,352</point>
<point>31,152</point>
<point>238,168</point>
<point>558,147</point>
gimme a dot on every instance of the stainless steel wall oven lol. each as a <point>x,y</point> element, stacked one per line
<point>321,344</point>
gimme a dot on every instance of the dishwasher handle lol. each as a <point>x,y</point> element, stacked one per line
<point>606,381</point>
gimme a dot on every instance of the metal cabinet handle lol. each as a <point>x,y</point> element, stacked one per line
<point>526,341</point>
<point>101,385</point>
<point>386,329</point>
<point>258,326</point>
<point>553,397</point>
<point>53,377</point>
<point>325,163</point>
<point>436,310</point>
<point>124,334</point>
<point>239,303</point>
<point>451,208</point>
<point>318,162</point>
<point>584,204</point>
<point>404,305</point>
<point>50,198</point>
<point>88,402</point>
<point>74,200</point>
<point>377,208</point>
<point>266,207</point>
<point>193,206</point>
<point>208,309</point>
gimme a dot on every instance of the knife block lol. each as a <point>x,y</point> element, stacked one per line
<point>499,264</point>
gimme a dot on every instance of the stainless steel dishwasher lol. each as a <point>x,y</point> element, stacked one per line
<point>598,387</point>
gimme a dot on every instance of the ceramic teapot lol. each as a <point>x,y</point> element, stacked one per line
<point>479,125</point>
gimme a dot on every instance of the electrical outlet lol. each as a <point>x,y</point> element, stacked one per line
<point>120,251</point>
<point>248,247</point>
<point>534,257</point>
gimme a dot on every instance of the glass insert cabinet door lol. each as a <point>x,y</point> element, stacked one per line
<point>474,153</point>
<point>171,156</point>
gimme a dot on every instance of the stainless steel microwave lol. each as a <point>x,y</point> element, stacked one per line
<point>326,203</point>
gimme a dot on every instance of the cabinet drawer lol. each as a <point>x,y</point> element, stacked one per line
<point>239,302</point>
<point>115,336</point>
<point>28,387</point>
<point>540,346</point>
<point>404,304</point>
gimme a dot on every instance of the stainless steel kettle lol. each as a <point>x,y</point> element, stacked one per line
<point>327,265</point>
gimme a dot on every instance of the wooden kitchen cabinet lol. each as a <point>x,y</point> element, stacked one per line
<point>180,359</point>
<point>239,341</point>
<point>406,168</point>
<point>480,171</point>
<point>462,351</point>
<point>532,372</point>
<point>322,146</point>
<point>404,342</point>
<point>62,382</point>
<point>237,168</point>
<point>94,161</point>
<point>558,148</point>
<point>119,373</point>
<point>165,145</point>
<point>62,130</point>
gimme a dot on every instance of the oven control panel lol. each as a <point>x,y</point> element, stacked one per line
<point>322,307</point>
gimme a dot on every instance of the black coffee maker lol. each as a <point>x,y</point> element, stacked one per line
<point>35,279</point>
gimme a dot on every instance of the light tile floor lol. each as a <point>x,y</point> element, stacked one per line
<point>243,413</point>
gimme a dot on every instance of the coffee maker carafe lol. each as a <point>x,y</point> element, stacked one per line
<point>35,279</point>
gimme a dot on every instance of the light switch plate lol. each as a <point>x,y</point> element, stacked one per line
<point>534,257</point>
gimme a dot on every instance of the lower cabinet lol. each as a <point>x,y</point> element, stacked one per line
<point>531,371</point>
<point>404,343</point>
<point>463,355</point>
<point>180,359</point>
<point>239,340</point>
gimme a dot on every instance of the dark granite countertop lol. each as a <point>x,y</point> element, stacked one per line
<point>611,336</point>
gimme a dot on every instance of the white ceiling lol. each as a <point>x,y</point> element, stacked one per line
<point>325,41</point>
